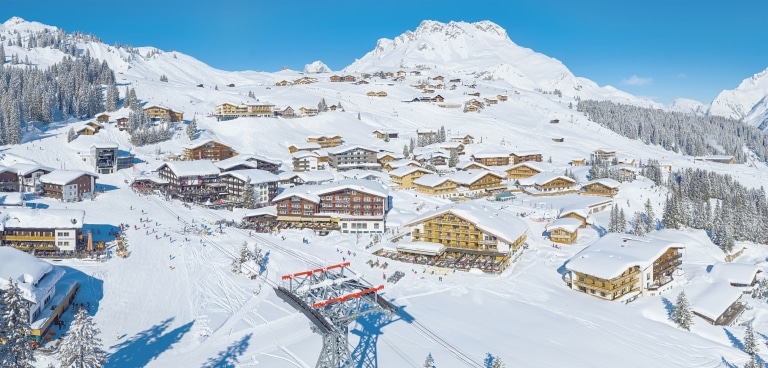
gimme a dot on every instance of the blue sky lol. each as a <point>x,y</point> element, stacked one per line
<point>659,49</point>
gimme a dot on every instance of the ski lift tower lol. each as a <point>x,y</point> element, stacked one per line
<point>332,297</point>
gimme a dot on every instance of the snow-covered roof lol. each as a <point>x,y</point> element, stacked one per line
<point>308,176</point>
<point>11,199</point>
<point>607,182</point>
<point>234,161</point>
<point>568,224</point>
<point>305,145</point>
<point>465,164</point>
<point>25,169</point>
<point>504,225</point>
<point>64,177</point>
<point>543,178</point>
<point>432,180</point>
<point>152,177</point>
<point>33,275</point>
<point>256,176</point>
<point>401,163</point>
<point>191,168</point>
<point>199,143</point>
<point>582,212</point>
<point>105,145</point>
<point>614,253</point>
<point>305,154</point>
<point>735,273</point>
<point>313,192</point>
<point>468,177</point>
<point>346,148</point>
<point>362,174</point>
<point>492,152</point>
<point>44,218</point>
<point>711,300</point>
<point>301,191</point>
<point>268,210</point>
<point>405,170</point>
<point>525,152</point>
<point>383,154</point>
<point>537,166</point>
<point>427,248</point>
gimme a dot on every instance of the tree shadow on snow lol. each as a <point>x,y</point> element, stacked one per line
<point>146,346</point>
<point>264,263</point>
<point>228,358</point>
<point>727,364</point>
<point>734,340</point>
<point>669,306</point>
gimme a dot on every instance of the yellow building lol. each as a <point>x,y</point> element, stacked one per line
<point>403,177</point>
<point>436,185</point>
<point>325,141</point>
<point>476,182</point>
<point>229,111</point>
<point>157,112</point>
<point>564,230</point>
<point>524,170</point>
<point>620,266</point>
<point>601,187</point>
<point>473,236</point>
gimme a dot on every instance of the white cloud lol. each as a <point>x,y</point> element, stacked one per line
<point>681,75</point>
<point>634,80</point>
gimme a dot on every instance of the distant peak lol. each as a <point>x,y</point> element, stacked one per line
<point>14,21</point>
<point>453,29</point>
<point>317,67</point>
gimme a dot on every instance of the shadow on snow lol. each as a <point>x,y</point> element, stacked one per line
<point>142,348</point>
<point>229,357</point>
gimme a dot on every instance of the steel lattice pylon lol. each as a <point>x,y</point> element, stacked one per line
<point>332,297</point>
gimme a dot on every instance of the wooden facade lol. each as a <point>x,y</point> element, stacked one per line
<point>447,188</point>
<point>521,171</point>
<point>463,239</point>
<point>627,282</point>
<point>228,110</point>
<point>556,184</point>
<point>326,141</point>
<point>489,160</point>
<point>155,112</point>
<point>562,235</point>
<point>518,157</point>
<point>600,189</point>
<point>208,150</point>
<point>405,181</point>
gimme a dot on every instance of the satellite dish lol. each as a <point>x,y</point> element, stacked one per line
<point>74,221</point>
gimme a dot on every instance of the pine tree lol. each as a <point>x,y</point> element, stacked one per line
<point>650,217</point>
<point>638,225</point>
<point>113,97</point>
<point>322,106</point>
<point>192,129</point>
<point>750,344</point>
<point>621,226</point>
<point>81,346</point>
<point>71,135</point>
<point>245,253</point>
<point>488,361</point>
<point>613,220</point>
<point>429,362</point>
<point>236,265</point>
<point>453,159</point>
<point>249,196</point>
<point>2,55</point>
<point>752,363</point>
<point>358,116</point>
<point>682,315</point>
<point>406,153</point>
<point>498,363</point>
<point>16,351</point>
<point>412,145</point>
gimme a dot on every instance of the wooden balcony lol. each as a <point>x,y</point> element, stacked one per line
<point>30,238</point>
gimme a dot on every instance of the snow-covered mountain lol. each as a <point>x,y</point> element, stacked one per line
<point>481,51</point>
<point>747,101</point>
<point>209,316</point>
<point>688,106</point>
<point>316,67</point>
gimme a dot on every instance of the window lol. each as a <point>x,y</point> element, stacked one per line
<point>376,225</point>
<point>367,199</point>
<point>357,199</point>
